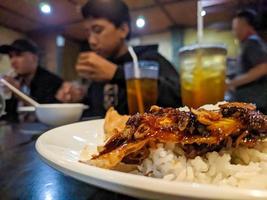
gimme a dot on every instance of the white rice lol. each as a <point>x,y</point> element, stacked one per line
<point>240,167</point>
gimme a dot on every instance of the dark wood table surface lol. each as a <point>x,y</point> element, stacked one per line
<point>23,175</point>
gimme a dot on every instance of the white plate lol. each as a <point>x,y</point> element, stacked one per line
<point>60,148</point>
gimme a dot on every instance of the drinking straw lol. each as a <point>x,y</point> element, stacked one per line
<point>137,76</point>
<point>199,22</point>
<point>198,73</point>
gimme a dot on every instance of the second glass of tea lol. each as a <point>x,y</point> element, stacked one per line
<point>202,70</point>
<point>142,91</point>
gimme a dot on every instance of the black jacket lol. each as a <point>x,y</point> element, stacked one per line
<point>43,88</point>
<point>102,95</point>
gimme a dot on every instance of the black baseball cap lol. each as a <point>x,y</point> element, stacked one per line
<point>20,45</point>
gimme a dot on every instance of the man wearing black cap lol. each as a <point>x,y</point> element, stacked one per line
<point>107,24</point>
<point>32,79</point>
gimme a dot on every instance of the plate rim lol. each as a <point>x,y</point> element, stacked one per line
<point>149,184</point>
<point>26,109</point>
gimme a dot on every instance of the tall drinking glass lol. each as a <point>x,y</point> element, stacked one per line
<point>6,93</point>
<point>202,70</point>
<point>142,91</point>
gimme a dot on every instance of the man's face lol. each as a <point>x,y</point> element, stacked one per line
<point>104,37</point>
<point>240,28</point>
<point>23,63</point>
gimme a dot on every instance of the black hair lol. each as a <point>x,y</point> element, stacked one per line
<point>115,11</point>
<point>250,16</point>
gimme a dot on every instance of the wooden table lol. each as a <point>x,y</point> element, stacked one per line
<point>23,175</point>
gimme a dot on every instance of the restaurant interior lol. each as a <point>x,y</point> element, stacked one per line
<point>198,58</point>
<point>168,24</point>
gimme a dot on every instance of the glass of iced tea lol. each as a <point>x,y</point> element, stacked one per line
<point>142,90</point>
<point>202,70</point>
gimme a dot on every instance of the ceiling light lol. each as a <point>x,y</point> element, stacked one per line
<point>45,8</point>
<point>203,13</point>
<point>140,22</point>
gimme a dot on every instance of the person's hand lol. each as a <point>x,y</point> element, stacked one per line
<point>12,81</point>
<point>94,67</point>
<point>229,86</point>
<point>70,93</point>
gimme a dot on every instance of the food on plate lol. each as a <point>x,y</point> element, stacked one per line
<point>196,131</point>
<point>114,122</point>
<point>223,145</point>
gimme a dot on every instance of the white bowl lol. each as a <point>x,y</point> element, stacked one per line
<point>59,114</point>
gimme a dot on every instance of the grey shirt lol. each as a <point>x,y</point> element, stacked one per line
<point>253,53</point>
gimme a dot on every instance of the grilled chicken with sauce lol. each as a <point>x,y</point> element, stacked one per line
<point>196,132</point>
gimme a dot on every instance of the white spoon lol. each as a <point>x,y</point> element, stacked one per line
<point>20,94</point>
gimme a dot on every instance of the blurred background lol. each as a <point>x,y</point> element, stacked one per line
<point>56,26</point>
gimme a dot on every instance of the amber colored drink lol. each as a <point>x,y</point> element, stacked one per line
<point>203,77</point>
<point>148,89</point>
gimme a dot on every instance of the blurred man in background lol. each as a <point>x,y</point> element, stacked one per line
<point>30,78</point>
<point>250,85</point>
<point>107,23</point>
